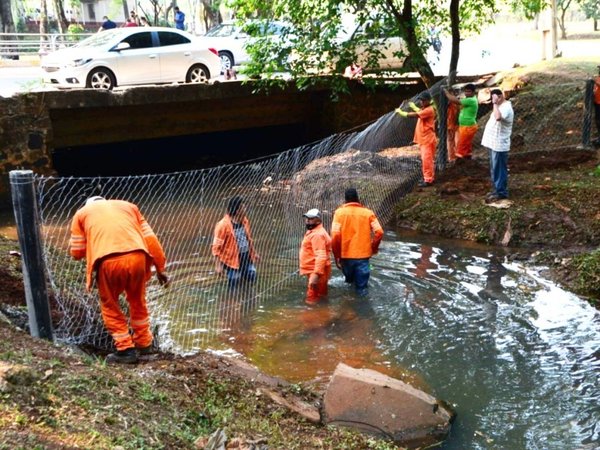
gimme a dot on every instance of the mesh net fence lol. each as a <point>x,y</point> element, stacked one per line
<point>184,207</point>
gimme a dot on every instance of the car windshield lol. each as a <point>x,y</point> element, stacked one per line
<point>100,39</point>
<point>222,30</point>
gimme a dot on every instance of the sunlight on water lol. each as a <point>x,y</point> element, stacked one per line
<point>517,356</point>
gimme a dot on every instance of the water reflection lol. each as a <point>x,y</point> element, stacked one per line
<point>517,356</point>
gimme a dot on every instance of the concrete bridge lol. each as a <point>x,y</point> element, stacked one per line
<point>176,127</point>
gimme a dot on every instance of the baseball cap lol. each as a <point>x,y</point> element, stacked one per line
<point>312,214</point>
<point>93,199</point>
<point>425,95</point>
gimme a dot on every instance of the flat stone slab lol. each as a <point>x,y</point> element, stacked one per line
<point>378,404</point>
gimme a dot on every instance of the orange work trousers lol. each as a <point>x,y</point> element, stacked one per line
<point>313,295</point>
<point>427,154</point>
<point>127,272</point>
<point>451,138</point>
<point>464,146</point>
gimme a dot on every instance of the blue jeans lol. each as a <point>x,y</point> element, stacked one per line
<point>499,172</point>
<point>247,272</point>
<point>357,271</point>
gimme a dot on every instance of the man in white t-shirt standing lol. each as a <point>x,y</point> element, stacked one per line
<point>496,138</point>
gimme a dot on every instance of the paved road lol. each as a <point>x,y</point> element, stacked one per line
<point>489,52</point>
<point>20,79</point>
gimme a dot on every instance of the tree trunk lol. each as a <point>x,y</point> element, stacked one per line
<point>43,17</point>
<point>595,24</point>
<point>61,19</point>
<point>405,24</point>
<point>561,24</point>
<point>211,15</point>
<point>6,19</point>
<point>454,26</point>
<point>125,9</point>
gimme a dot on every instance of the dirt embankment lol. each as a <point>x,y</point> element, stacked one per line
<point>554,213</point>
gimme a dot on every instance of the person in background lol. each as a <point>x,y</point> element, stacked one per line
<point>496,138</point>
<point>597,105</point>
<point>129,22</point>
<point>314,256</point>
<point>424,135</point>
<point>355,237</point>
<point>107,24</point>
<point>232,245</point>
<point>144,22</point>
<point>179,18</point>
<point>452,129</point>
<point>134,18</point>
<point>467,121</point>
<point>353,71</point>
<point>119,245</point>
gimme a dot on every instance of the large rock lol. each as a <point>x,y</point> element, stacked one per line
<point>377,404</point>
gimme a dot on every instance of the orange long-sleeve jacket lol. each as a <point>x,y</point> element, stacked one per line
<point>108,227</point>
<point>314,251</point>
<point>225,245</point>
<point>355,232</point>
<point>425,129</point>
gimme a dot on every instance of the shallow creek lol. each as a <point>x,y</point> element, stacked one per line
<point>517,357</point>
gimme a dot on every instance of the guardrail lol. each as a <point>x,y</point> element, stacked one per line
<point>14,45</point>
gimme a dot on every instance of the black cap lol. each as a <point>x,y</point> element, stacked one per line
<point>425,95</point>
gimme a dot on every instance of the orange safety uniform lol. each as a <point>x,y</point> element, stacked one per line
<point>120,246</point>
<point>314,258</point>
<point>355,232</point>
<point>225,245</point>
<point>451,130</point>
<point>426,138</point>
<point>464,145</point>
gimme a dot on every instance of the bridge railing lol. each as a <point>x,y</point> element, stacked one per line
<point>15,45</point>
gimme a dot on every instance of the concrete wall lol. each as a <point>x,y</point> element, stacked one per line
<point>33,125</point>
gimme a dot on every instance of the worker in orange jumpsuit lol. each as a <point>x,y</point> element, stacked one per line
<point>233,247</point>
<point>314,256</point>
<point>467,120</point>
<point>119,245</point>
<point>355,237</point>
<point>424,135</point>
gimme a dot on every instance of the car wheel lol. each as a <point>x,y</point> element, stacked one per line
<point>226,61</point>
<point>197,74</point>
<point>101,78</point>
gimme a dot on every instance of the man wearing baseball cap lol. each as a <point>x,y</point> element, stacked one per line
<point>315,261</point>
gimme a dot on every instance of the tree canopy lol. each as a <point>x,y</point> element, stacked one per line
<point>317,41</point>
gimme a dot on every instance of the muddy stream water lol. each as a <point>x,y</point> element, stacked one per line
<point>516,356</point>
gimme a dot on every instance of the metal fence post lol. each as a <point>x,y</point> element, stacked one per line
<point>442,147</point>
<point>588,106</point>
<point>34,270</point>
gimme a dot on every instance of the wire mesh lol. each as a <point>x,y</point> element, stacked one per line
<point>184,207</point>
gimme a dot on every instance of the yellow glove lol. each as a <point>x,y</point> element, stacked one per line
<point>414,107</point>
<point>402,113</point>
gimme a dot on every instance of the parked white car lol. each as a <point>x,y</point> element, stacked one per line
<point>230,41</point>
<point>376,37</point>
<point>132,56</point>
